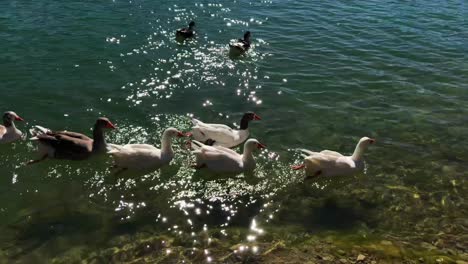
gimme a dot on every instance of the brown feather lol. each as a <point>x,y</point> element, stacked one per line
<point>68,145</point>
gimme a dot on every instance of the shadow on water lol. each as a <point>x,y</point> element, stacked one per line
<point>34,229</point>
<point>316,204</point>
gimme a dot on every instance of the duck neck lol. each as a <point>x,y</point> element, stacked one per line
<point>358,152</point>
<point>8,123</point>
<point>99,142</point>
<point>244,124</point>
<point>166,144</point>
<point>247,156</point>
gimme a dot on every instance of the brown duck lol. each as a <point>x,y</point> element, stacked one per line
<point>70,145</point>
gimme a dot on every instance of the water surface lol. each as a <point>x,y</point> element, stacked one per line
<point>321,75</point>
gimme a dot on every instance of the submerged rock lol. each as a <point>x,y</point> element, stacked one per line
<point>361,257</point>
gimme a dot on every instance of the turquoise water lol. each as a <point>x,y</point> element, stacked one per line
<point>321,75</point>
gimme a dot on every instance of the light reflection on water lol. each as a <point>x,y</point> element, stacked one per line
<point>181,200</point>
<point>317,80</point>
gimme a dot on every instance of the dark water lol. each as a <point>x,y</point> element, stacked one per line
<point>321,75</point>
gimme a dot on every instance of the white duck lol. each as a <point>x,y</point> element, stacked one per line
<point>221,159</point>
<point>9,132</point>
<point>222,135</point>
<point>331,163</point>
<point>144,156</point>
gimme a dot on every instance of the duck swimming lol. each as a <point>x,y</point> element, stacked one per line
<point>185,33</point>
<point>221,159</point>
<point>241,45</point>
<point>70,145</point>
<point>223,135</point>
<point>8,132</point>
<point>331,163</point>
<point>144,156</point>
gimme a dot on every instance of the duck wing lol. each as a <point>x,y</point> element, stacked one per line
<point>67,147</point>
<point>217,132</point>
<point>139,158</point>
<point>218,153</point>
<point>186,32</point>
<point>227,151</point>
<point>306,153</point>
<point>322,160</point>
<point>201,124</point>
<point>112,148</point>
<point>238,45</point>
<point>38,130</point>
<point>331,153</point>
<point>73,135</point>
<point>141,146</point>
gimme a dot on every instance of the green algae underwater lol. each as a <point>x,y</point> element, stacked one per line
<point>320,74</point>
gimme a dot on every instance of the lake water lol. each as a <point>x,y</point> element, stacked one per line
<point>321,75</point>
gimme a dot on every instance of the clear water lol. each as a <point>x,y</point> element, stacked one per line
<point>321,74</point>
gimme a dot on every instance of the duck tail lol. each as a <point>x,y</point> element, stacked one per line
<point>196,145</point>
<point>196,121</point>
<point>112,148</point>
<point>306,152</point>
<point>37,131</point>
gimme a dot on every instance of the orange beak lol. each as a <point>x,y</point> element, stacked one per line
<point>110,125</point>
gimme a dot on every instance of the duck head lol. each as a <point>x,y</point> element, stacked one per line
<point>366,141</point>
<point>362,145</point>
<point>9,117</point>
<point>191,24</point>
<point>104,122</point>
<point>252,144</point>
<point>247,36</point>
<point>174,132</point>
<point>246,118</point>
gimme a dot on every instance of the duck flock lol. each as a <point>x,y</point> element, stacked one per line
<point>211,144</point>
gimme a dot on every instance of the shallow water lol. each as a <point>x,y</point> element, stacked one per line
<point>321,75</point>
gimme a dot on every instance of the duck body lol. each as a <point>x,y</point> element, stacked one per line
<point>64,145</point>
<point>144,156</point>
<point>8,131</point>
<point>221,159</point>
<point>185,33</point>
<point>70,145</point>
<point>140,156</point>
<point>240,46</point>
<point>329,163</point>
<point>9,134</point>
<point>223,135</point>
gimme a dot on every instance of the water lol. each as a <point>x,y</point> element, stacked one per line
<point>321,75</point>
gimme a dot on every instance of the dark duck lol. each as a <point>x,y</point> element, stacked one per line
<point>241,45</point>
<point>70,145</point>
<point>185,33</point>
